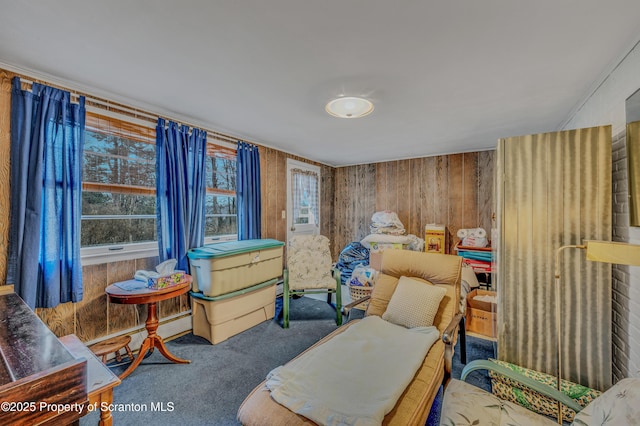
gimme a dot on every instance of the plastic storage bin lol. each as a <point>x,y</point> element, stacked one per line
<point>226,267</point>
<point>218,318</point>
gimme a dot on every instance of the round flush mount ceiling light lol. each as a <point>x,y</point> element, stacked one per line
<point>349,107</point>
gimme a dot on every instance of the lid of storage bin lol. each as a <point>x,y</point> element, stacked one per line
<point>231,248</point>
<point>199,295</point>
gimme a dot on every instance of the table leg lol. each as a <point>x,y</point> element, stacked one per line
<point>152,341</point>
<point>106,419</point>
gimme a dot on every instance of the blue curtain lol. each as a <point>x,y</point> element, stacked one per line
<point>248,191</point>
<point>181,155</point>
<point>47,138</point>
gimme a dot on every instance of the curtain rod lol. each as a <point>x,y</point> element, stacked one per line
<point>105,104</point>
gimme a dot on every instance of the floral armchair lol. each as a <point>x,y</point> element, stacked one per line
<point>466,404</point>
<point>309,271</point>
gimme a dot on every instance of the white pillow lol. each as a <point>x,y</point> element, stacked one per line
<point>414,303</point>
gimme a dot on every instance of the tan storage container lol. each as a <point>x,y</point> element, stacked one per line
<point>218,318</point>
<point>223,268</point>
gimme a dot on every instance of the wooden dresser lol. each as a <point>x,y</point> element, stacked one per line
<point>41,382</point>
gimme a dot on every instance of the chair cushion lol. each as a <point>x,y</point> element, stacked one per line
<point>620,405</point>
<point>309,262</point>
<point>433,267</point>
<point>445,274</point>
<point>414,303</point>
<point>467,404</point>
<point>381,294</point>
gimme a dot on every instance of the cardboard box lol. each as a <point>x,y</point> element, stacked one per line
<point>435,238</point>
<point>482,317</point>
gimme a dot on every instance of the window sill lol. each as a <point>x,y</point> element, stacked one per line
<point>220,239</point>
<point>106,254</point>
<point>117,253</point>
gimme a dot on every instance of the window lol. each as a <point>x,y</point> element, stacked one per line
<point>221,213</point>
<point>303,198</point>
<point>119,191</point>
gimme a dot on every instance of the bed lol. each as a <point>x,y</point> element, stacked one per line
<point>414,403</point>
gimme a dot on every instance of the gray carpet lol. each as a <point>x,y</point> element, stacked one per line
<point>210,389</point>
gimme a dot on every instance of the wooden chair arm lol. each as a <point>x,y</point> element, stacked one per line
<point>449,332</point>
<point>347,308</point>
<point>448,337</point>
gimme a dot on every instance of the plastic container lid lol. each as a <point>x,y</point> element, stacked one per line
<point>231,248</point>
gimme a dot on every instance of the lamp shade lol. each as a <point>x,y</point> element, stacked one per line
<point>613,252</point>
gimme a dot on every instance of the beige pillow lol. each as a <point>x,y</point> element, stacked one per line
<point>414,303</point>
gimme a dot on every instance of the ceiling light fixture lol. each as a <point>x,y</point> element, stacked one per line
<point>349,107</point>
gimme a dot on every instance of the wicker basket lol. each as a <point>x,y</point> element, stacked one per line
<point>358,292</point>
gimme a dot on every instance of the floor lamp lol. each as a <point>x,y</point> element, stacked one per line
<point>596,251</point>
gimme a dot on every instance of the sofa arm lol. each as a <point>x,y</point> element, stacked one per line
<point>525,381</point>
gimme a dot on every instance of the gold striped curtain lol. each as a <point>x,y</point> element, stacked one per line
<point>554,189</point>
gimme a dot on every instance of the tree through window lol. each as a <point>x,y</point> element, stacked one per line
<point>119,185</point>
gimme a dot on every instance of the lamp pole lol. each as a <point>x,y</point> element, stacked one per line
<point>559,322</point>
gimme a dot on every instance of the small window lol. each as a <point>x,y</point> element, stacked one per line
<point>221,221</point>
<point>303,198</point>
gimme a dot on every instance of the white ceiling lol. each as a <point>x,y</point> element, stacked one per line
<point>445,75</point>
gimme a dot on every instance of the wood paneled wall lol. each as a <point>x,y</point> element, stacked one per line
<point>273,168</point>
<point>455,190</point>
<point>5,145</point>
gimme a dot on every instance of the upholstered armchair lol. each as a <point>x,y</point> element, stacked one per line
<point>309,271</point>
<point>467,404</point>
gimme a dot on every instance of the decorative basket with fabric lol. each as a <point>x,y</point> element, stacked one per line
<point>507,389</point>
<point>361,283</point>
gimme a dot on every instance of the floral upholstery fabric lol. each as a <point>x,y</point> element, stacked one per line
<point>465,404</point>
<point>620,405</point>
<point>511,390</point>
<point>309,262</point>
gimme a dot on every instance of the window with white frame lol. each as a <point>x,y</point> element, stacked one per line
<point>119,183</point>
<point>119,190</point>
<point>221,222</point>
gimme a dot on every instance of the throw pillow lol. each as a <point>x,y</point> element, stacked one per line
<point>414,303</point>
<point>620,405</point>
